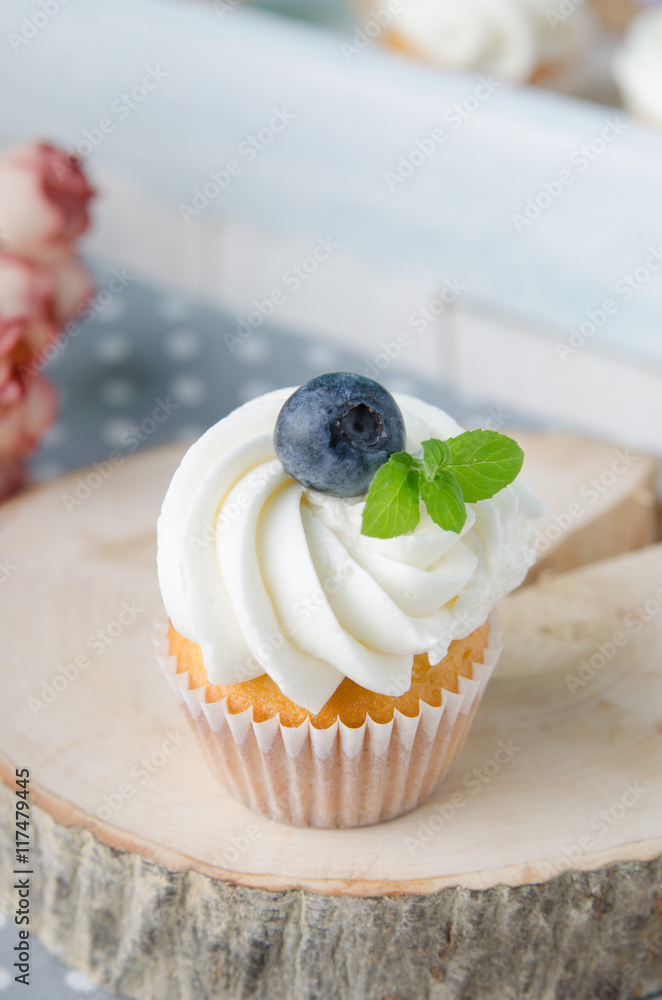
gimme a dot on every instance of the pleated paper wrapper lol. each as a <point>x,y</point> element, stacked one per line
<point>335,777</point>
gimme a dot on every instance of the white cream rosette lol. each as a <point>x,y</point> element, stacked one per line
<point>267,576</point>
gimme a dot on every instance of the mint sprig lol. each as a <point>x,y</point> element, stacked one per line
<point>392,505</point>
<point>483,462</point>
<point>465,469</point>
<point>442,495</point>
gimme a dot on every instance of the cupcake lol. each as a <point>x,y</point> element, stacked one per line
<point>329,559</point>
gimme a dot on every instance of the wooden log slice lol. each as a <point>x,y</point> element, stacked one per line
<point>534,873</point>
<point>600,498</point>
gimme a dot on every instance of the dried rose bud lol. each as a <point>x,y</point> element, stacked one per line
<point>22,425</point>
<point>43,199</point>
<point>35,300</point>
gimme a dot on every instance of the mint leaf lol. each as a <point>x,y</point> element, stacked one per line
<point>483,462</point>
<point>436,455</point>
<point>444,501</point>
<point>392,505</point>
<point>465,469</point>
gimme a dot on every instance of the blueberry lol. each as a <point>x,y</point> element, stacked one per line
<point>335,431</point>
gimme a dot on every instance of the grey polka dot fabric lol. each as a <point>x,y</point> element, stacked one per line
<point>152,350</point>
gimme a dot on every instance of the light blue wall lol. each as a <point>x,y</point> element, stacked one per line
<point>353,119</point>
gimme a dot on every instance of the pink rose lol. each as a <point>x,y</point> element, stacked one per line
<point>11,384</point>
<point>27,321</point>
<point>43,208</point>
<point>35,301</point>
<point>73,286</point>
<point>43,199</point>
<point>23,424</point>
<point>13,476</point>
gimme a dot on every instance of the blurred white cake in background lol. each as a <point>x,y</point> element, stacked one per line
<point>638,66</point>
<point>517,40</point>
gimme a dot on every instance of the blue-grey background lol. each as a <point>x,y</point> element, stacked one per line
<point>354,119</point>
<point>149,345</point>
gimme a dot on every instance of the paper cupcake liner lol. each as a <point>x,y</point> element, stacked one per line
<point>340,776</point>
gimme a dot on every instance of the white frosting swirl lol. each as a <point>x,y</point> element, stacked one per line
<point>638,66</point>
<point>510,38</point>
<point>269,577</point>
